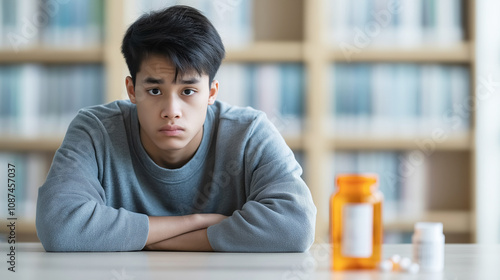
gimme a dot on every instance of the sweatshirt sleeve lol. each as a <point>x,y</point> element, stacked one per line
<point>279,215</point>
<point>72,214</point>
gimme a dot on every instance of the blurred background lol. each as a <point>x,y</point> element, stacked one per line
<point>408,89</point>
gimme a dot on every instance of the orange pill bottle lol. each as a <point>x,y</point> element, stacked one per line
<point>356,222</point>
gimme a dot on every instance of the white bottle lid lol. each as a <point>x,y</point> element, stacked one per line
<point>426,231</point>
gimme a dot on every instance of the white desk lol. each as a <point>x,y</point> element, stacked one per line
<point>32,262</point>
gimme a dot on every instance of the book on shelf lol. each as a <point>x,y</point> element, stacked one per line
<point>42,100</point>
<point>30,173</point>
<point>54,24</point>
<point>16,31</point>
<point>276,89</point>
<point>393,237</point>
<point>232,19</point>
<point>73,23</point>
<point>388,23</point>
<point>407,100</point>
<point>401,179</point>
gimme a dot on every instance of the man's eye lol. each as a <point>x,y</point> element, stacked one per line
<point>154,91</point>
<point>188,92</point>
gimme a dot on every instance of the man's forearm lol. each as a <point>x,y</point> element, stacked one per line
<point>163,228</point>
<point>192,241</point>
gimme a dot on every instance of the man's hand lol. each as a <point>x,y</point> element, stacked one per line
<point>166,228</point>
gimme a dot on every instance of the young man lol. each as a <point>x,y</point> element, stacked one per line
<point>174,169</point>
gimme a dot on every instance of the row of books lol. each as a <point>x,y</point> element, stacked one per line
<point>30,173</point>
<point>368,99</point>
<point>232,19</point>
<point>29,23</point>
<point>402,182</point>
<point>40,100</point>
<point>276,89</point>
<point>367,23</point>
<point>353,24</point>
<point>400,99</point>
<point>397,237</point>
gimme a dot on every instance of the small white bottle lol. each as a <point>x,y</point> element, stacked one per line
<point>428,246</point>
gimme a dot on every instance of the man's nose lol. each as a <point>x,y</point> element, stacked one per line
<point>171,107</point>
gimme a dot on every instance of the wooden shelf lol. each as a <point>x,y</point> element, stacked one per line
<point>453,221</point>
<point>25,230</point>
<point>22,226</point>
<point>460,53</point>
<point>455,143</point>
<point>262,52</point>
<point>53,56</point>
<point>267,52</point>
<point>30,144</point>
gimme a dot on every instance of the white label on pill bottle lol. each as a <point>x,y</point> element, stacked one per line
<point>357,230</point>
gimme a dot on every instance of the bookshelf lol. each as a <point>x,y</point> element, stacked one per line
<point>457,143</point>
<point>457,53</point>
<point>297,35</point>
<point>267,51</point>
<point>51,56</point>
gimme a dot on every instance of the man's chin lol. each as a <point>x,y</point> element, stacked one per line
<point>172,147</point>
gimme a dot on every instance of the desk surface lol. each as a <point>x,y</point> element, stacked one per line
<point>469,261</point>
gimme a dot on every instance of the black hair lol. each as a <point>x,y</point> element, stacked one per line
<point>180,33</point>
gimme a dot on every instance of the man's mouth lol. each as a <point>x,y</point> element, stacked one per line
<point>171,130</point>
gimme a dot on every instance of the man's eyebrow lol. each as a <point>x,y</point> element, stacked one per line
<point>189,81</point>
<point>151,80</point>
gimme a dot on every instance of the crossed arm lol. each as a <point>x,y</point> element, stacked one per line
<point>181,233</point>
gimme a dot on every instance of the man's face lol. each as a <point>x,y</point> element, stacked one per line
<point>171,112</point>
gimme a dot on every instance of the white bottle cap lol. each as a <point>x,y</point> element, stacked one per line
<point>428,231</point>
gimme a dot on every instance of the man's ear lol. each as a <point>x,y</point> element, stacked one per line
<point>214,90</point>
<point>129,84</point>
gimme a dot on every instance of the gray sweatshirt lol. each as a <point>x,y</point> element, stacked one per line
<point>102,185</point>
